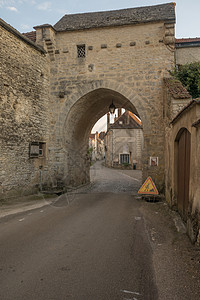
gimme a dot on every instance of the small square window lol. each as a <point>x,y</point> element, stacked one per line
<point>37,149</point>
<point>81,50</point>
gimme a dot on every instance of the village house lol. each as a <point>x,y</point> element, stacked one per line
<point>124,141</point>
<point>187,51</point>
<point>183,166</point>
<point>96,146</point>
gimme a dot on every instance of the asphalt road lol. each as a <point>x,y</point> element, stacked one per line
<point>98,243</point>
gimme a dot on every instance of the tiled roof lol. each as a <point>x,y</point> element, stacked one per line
<point>155,13</point>
<point>188,40</point>
<point>134,117</point>
<point>176,89</point>
<point>30,35</point>
<point>126,121</point>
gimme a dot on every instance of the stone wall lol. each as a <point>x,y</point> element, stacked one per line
<point>187,55</point>
<point>125,64</point>
<point>24,94</point>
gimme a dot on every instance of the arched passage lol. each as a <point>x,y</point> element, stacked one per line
<point>80,111</point>
<point>83,115</point>
<point>182,169</point>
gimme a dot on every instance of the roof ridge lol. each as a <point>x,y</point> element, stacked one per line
<point>119,10</point>
<point>143,14</point>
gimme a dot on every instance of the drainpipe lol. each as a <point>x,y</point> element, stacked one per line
<point>40,186</point>
<point>112,145</point>
<point>175,60</point>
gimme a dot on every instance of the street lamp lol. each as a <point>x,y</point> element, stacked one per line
<point>112,108</point>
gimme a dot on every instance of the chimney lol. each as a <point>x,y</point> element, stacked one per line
<point>119,112</point>
<point>108,120</point>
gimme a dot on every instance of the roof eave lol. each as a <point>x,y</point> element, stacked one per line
<point>187,107</point>
<point>20,36</point>
<point>172,21</point>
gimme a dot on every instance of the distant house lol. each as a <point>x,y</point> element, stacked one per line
<point>96,146</point>
<point>124,141</point>
<point>187,51</point>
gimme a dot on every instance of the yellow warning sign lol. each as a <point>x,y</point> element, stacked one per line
<point>148,187</point>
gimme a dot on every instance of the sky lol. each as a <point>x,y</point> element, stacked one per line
<point>25,14</point>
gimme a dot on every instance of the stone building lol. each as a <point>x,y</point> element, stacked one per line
<point>24,112</point>
<point>183,166</point>
<point>124,141</point>
<point>54,90</point>
<point>182,143</point>
<point>96,147</point>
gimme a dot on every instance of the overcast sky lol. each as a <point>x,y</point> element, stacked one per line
<point>24,14</point>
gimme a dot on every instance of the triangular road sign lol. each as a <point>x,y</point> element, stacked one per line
<point>148,187</point>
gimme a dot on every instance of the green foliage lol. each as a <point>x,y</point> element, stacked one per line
<point>90,150</point>
<point>189,75</point>
<point>125,164</point>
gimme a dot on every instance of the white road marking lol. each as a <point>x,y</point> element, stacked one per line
<point>129,292</point>
<point>21,220</point>
<point>130,177</point>
<point>137,218</point>
<point>41,211</point>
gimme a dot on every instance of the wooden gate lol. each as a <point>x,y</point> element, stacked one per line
<point>183,172</point>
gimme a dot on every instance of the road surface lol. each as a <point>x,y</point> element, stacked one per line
<point>100,242</point>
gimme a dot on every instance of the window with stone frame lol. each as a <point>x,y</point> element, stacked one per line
<point>81,52</point>
<point>124,159</point>
<point>37,149</point>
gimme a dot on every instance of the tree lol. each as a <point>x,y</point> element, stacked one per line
<point>189,75</point>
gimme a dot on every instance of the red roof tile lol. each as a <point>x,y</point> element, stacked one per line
<point>188,40</point>
<point>30,35</point>
<point>126,121</point>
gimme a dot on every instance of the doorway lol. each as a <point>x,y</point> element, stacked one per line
<point>183,141</point>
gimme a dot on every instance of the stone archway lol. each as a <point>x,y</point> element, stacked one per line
<point>79,113</point>
<point>83,115</point>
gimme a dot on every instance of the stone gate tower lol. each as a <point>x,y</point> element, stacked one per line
<point>91,60</point>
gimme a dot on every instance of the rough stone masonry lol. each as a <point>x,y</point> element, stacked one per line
<point>53,91</point>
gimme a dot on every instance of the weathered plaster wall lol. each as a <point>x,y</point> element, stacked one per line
<point>127,60</point>
<point>120,141</point>
<point>185,121</point>
<point>24,94</point>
